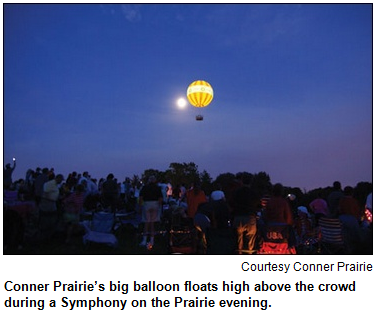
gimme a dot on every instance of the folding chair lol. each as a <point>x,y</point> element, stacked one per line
<point>275,240</point>
<point>331,240</point>
<point>101,229</point>
<point>182,236</point>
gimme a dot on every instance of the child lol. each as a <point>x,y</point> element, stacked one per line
<point>303,226</point>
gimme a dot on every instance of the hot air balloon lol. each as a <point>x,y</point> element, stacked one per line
<point>199,94</point>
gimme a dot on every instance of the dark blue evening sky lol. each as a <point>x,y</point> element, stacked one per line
<point>94,88</point>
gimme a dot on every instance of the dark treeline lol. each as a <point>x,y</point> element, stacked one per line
<point>187,173</point>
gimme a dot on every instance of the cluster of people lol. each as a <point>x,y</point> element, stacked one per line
<point>59,201</point>
<point>301,220</point>
<point>254,217</point>
<point>341,204</point>
<point>243,210</point>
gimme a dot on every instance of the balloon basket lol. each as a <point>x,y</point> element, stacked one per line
<point>199,118</point>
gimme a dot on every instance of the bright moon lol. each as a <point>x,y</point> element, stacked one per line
<point>181,103</point>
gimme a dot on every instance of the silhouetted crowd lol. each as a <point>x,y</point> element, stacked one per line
<point>234,219</point>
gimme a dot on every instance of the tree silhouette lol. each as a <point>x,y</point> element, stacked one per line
<point>188,173</point>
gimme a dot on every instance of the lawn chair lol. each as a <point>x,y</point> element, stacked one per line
<point>182,235</point>
<point>101,229</point>
<point>275,240</point>
<point>331,240</point>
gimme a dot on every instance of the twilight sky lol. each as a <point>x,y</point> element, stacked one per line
<point>95,88</point>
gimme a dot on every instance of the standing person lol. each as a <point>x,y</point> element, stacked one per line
<point>73,205</point>
<point>164,190</point>
<point>169,191</point>
<point>39,183</point>
<point>71,181</point>
<point>348,205</point>
<point>319,207</point>
<point>123,191</point>
<point>220,207</point>
<point>8,171</point>
<point>127,189</point>
<point>29,180</point>
<point>303,226</point>
<point>48,212</point>
<point>195,196</point>
<point>92,189</point>
<point>278,209</point>
<point>110,192</point>
<point>333,199</point>
<point>135,194</point>
<point>84,176</point>
<point>182,194</point>
<point>244,208</point>
<point>150,198</point>
<point>350,215</point>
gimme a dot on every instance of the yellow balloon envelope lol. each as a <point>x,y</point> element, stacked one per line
<point>199,93</point>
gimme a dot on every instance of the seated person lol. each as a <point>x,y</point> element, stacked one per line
<point>73,205</point>
<point>303,226</point>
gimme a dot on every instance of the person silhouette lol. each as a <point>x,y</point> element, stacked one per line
<point>244,209</point>
<point>8,171</point>
<point>151,200</point>
<point>333,199</point>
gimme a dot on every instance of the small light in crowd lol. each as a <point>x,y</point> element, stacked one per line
<point>291,196</point>
<point>368,215</point>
